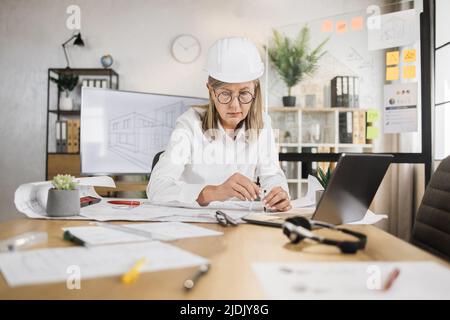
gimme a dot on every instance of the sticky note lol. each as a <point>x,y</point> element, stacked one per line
<point>409,55</point>
<point>372,133</point>
<point>392,57</point>
<point>341,26</point>
<point>357,23</point>
<point>372,115</point>
<point>392,73</point>
<point>327,26</point>
<point>409,72</point>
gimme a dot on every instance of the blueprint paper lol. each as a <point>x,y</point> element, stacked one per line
<point>31,198</point>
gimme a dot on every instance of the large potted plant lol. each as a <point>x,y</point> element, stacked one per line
<point>66,83</point>
<point>293,59</point>
<point>64,198</point>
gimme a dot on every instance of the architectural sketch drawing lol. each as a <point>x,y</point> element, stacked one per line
<point>137,137</point>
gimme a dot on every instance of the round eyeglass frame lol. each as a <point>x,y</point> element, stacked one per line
<point>232,97</point>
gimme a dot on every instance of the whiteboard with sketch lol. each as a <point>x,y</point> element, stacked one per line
<point>121,131</point>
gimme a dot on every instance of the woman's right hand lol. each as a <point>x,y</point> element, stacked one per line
<point>237,185</point>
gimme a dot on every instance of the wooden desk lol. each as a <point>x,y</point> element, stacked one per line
<point>231,255</point>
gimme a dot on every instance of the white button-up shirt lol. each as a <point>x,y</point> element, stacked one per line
<point>194,160</point>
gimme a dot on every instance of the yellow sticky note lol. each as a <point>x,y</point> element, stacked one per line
<point>392,57</point>
<point>392,73</point>
<point>409,55</point>
<point>372,115</point>
<point>372,133</point>
<point>409,72</point>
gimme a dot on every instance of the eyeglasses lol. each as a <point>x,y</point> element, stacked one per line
<point>224,220</point>
<point>225,97</point>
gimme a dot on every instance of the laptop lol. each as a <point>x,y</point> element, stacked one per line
<point>351,189</point>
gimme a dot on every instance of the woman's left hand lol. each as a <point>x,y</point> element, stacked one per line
<point>278,200</point>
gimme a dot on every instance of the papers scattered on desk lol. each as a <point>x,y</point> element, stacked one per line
<point>58,265</point>
<point>370,218</point>
<point>103,211</point>
<point>353,280</point>
<point>31,198</point>
<point>164,231</point>
<point>310,198</point>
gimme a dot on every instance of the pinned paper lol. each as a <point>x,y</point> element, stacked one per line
<point>357,23</point>
<point>392,73</point>
<point>409,55</point>
<point>327,26</point>
<point>372,133</point>
<point>373,115</point>
<point>409,72</point>
<point>341,26</point>
<point>392,57</point>
<point>396,29</point>
<point>400,108</point>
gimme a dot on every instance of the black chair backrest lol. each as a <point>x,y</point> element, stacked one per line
<point>431,229</point>
<point>155,161</point>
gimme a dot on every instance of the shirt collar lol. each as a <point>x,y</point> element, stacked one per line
<point>238,134</point>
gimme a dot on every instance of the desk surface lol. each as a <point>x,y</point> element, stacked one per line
<point>231,255</point>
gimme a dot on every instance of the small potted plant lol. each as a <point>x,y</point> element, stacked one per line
<point>66,83</point>
<point>64,198</point>
<point>293,59</point>
<point>324,179</point>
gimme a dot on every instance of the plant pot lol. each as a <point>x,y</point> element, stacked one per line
<point>289,101</point>
<point>63,203</point>
<point>65,102</point>
<point>319,194</point>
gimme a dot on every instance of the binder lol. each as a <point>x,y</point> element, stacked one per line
<point>356,92</point>
<point>76,136</point>
<point>69,137</point>
<point>58,135</point>
<point>345,127</point>
<point>351,92</point>
<point>345,92</point>
<point>63,136</point>
<point>359,127</point>
<point>336,92</point>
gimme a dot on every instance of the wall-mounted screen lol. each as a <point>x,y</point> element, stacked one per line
<point>121,131</point>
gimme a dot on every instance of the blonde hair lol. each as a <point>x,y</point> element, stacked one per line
<point>253,120</point>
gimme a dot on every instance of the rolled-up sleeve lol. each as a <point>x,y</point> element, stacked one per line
<point>165,185</point>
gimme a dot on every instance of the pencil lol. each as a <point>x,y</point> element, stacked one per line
<point>131,275</point>
<point>391,278</point>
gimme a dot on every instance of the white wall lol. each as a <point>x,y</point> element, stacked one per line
<point>137,34</point>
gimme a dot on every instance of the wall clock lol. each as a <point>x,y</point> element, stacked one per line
<point>186,48</point>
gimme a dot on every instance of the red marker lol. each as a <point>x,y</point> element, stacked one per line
<point>125,202</point>
<point>391,278</point>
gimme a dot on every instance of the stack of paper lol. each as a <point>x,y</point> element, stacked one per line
<point>164,231</point>
<point>58,265</point>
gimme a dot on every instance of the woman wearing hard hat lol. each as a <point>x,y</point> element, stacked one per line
<point>220,151</point>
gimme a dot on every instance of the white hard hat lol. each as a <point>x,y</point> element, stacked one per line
<point>234,60</point>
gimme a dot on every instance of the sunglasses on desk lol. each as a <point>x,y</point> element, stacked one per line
<point>225,220</point>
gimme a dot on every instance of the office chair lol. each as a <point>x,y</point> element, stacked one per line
<point>431,229</point>
<point>155,161</point>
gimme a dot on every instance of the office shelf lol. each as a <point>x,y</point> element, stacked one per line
<point>314,130</point>
<point>64,162</point>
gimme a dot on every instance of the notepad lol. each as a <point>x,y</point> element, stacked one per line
<point>164,231</point>
<point>57,265</point>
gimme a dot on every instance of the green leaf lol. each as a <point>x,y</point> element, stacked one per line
<point>292,59</point>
